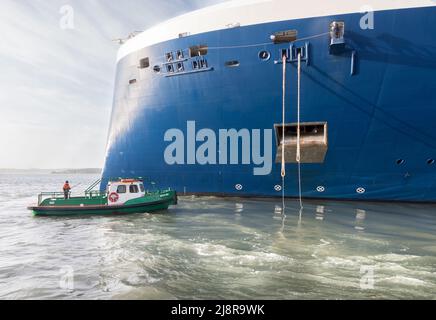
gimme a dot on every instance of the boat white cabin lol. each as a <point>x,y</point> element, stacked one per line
<point>119,192</point>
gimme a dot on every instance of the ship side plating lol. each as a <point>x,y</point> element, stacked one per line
<point>184,93</point>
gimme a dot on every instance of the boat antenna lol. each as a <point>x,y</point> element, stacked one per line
<point>77,185</point>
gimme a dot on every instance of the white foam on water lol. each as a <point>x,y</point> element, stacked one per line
<point>391,267</point>
<point>392,257</point>
<point>238,256</point>
<point>402,280</point>
<point>202,251</point>
<point>145,293</point>
<point>339,262</point>
<point>365,238</point>
<point>324,243</point>
<point>208,250</point>
<point>332,280</point>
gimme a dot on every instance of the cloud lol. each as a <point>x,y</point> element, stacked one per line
<point>56,85</point>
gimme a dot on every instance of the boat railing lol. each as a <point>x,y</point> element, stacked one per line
<point>50,195</point>
<point>88,194</point>
<point>91,194</point>
<point>60,195</point>
<point>92,186</point>
<point>157,191</point>
<point>94,194</point>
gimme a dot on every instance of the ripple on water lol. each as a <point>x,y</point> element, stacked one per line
<point>211,248</point>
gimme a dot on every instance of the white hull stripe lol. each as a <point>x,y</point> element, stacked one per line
<point>252,12</point>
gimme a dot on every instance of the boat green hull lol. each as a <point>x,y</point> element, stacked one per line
<point>86,207</point>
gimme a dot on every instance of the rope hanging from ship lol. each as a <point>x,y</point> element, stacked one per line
<point>298,156</point>
<point>298,151</point>
<point>283,171</point>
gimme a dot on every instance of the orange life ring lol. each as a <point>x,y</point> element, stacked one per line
<point>114,197</point>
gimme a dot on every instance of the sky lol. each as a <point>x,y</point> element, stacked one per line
<point>57,71</point>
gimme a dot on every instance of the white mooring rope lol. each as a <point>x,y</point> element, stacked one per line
<point>299,134</point>
<point>298,153</point>
<point>283,173</point>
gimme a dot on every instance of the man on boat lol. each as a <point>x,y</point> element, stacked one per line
<point>67,189</point>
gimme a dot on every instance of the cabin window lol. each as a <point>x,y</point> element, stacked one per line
<point>141,186</point>
<point>170,68</point>
<point>180,55</point>
<point>133,81</point>
<point>180,67</point>
<point>133,188</point>
<point>121,189</point>
<point>199,64</point>
<point>156,69</point>
<point>202,63</point>
<point>144,63</point>
<point>169,56</point>
<point>196,51</point>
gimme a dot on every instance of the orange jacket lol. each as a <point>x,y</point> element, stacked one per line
<point>67,187</point>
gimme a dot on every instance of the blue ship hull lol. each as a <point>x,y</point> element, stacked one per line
<point>378,97</point>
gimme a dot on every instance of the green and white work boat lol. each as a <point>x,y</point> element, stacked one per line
<point>122,196</point>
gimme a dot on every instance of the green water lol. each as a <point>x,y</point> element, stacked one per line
<point>212,248</point>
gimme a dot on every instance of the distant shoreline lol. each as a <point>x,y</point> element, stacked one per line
<point>52,171</point>
<point>77,171</point>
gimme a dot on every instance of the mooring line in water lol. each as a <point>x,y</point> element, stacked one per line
<point>283,173</point>
<point>299,133</point>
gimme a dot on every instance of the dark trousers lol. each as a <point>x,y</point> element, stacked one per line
<point>66,194</point>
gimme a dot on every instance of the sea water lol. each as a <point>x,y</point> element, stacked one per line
<point>215,248</point>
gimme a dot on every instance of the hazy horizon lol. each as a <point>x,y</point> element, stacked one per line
<point>57,75</point>
<point>29,169</point>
